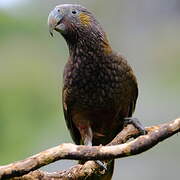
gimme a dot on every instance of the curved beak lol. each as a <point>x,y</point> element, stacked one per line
<point>54,20</point>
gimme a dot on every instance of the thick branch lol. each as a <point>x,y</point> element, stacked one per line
<point>70,151</point>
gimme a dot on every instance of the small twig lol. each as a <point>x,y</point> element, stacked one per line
<point>70,151</point>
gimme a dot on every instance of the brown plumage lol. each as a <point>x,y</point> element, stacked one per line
<point>100,88</point>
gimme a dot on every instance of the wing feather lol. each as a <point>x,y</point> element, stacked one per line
<point>68,117</point>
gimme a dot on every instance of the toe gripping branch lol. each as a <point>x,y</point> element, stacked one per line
<point>129,120</point>
<point>136,123</point>
<point>101,164</point>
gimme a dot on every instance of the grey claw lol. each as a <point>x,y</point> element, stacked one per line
<point>136,123</point>
<point>101,164</point>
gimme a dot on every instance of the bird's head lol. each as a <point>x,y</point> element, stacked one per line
<point>77,25</point>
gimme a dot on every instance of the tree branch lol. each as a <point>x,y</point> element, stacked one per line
<point>155,135</point>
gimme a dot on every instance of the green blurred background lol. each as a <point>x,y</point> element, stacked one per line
<point>31,67</point>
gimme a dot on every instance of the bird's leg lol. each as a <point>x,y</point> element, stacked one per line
<point>136,123</point>
<point>87,136</point>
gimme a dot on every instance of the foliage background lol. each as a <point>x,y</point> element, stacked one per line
<point>31,66</point>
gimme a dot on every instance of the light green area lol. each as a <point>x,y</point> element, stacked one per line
<point>30,88</point>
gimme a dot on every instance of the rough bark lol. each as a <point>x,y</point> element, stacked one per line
<point>28,166</point>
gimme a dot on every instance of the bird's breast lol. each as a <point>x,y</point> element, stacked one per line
<point>96,83</point>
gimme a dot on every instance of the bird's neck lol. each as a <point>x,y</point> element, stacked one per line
<point>93,44</point>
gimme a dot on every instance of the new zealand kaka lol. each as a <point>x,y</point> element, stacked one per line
<point>100,89</point>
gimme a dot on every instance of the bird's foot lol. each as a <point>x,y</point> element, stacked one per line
<point>101,164</point>
<point>136,123</point>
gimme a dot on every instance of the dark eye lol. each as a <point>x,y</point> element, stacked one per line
<point>74,11</point>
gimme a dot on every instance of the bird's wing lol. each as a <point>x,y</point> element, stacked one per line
<point>131,81</point>
<point>68,117</point>
<point>134,99</point>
